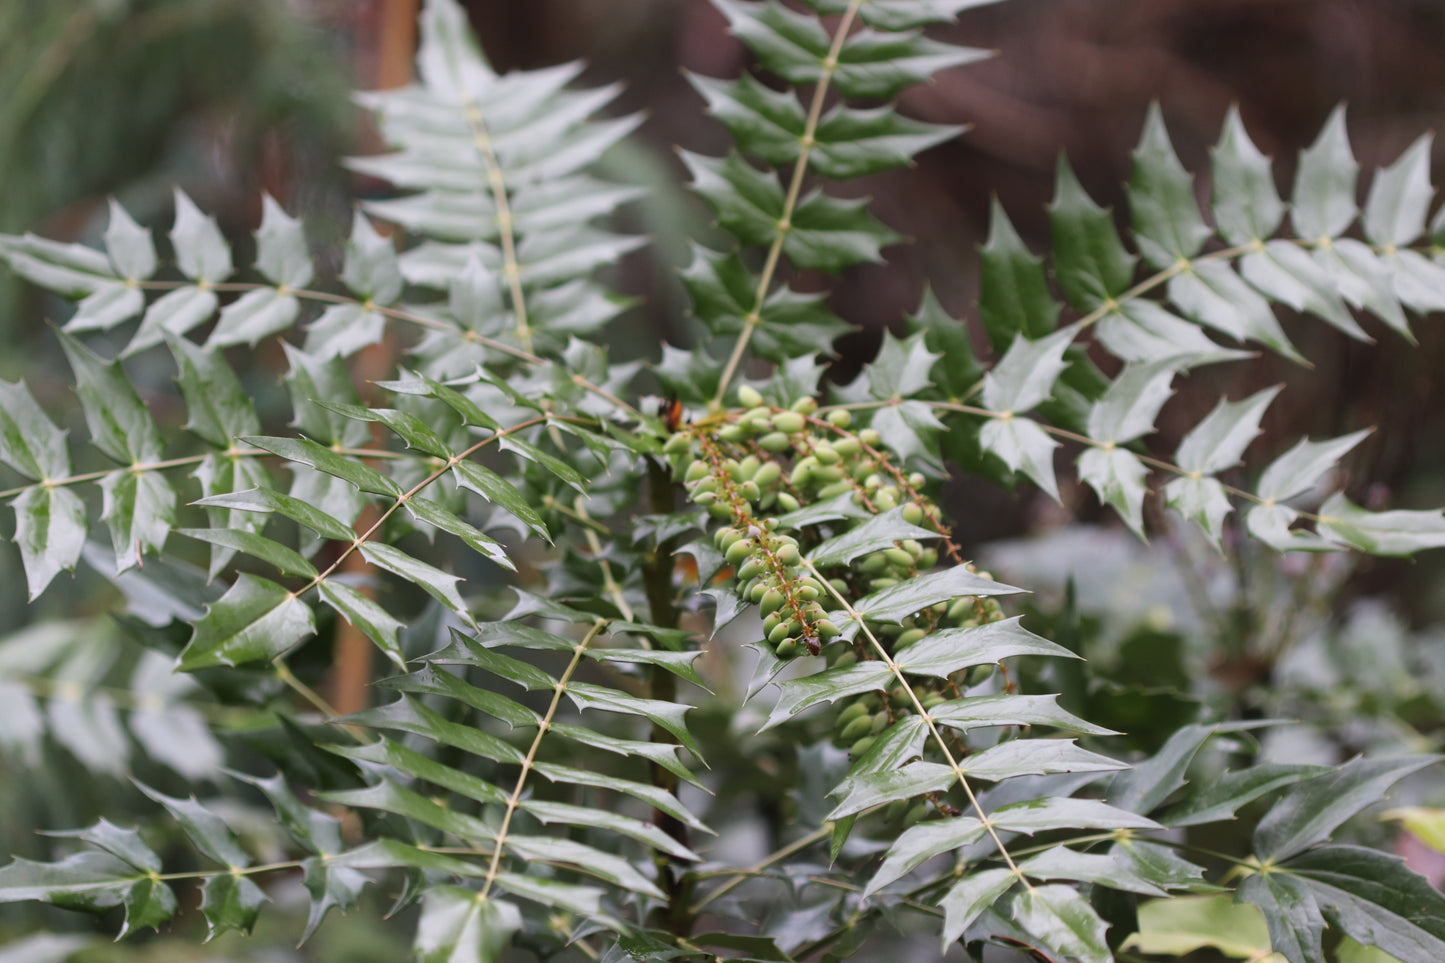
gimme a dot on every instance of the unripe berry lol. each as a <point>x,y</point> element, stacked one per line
<point>841,418</point>
<point>788,422</point>
<point>748,396</point>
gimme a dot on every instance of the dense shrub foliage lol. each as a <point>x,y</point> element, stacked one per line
<point>570,753</point>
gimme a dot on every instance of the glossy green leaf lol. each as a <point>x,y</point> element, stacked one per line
<point>1014,299</point>
<point>1374,898</point>
<point>365,614</point>
<point>1011,710</point>
<point>307,452</point>
<point>1099,869</point>
<point>657,798</point>
<point>120,424</point>
<point>588,859</point>
<point>1400,197</point>
<point>1058,812</point>
<point>1024,757</point>
<point>371,269</point>
<point>1063,923</point>
<point>899,744</point>
<point>129,245</point>
<point>426,510</point>
<point>139,507</point>
<point>548,812</point>
<point>1161,865</point>
<point>125,844</point>
<point>281,253</point>
<point>172,315</point>
<point>1324,184</point>
<point>286,561</point>
<point>388,752</point>
<point>501,493</point>
<point>875,789</point>
<point>827,686</point>
<point>30,442</point>
<point>969,898</point>
<point>1167,223</point>
<point>679,664</point>
<point>1117,477</point>
<point>1246,205</point>
<point>230,902</point>
<point>900,601</point>
<point>50,528</point>
<point>1024,377</point>
<point>1128,408</point>
<point>208,831</point>
<point>1212,294</point>
<point>255,619</point>
<point>920,843</point>
<point>1271,525</point>
<point>469,650</point>
<point>1090,261</point>
<point>88,881</point>
<point>582,900</point>
<point>430,680</point>
<point>944,652</point>
<point>1311,810</point>
<point>440,585</point>
<point>460,926</point>
<point>668,715</point>
<point>1295,922</point>
<point>267,500</point>
<point>1399,532</point>
<point>72,270</point>
<point>219,410</point>
<point>1202,501</point>
<point>201,250</point>
<point>253,316</point>
<point>390,797</point>
<point>330,887</point>
<point>319,832</point>
<point>313,377</point>
<point>1364,281</point>
<point>1023,446</point>
<point>412,715</point>
<point>1300,468</point>
<point>879,532</point>
<point>1284,272</point>
<point>1218,442</point>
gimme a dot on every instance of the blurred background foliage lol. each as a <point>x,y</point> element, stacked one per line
<point>227,98</point>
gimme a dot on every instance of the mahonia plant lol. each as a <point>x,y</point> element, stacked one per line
<point>530,542</point>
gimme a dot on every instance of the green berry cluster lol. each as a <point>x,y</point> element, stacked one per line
<point>748,467</point>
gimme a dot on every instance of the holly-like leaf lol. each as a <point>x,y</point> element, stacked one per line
<point>1013,294</point>
<point>1063,923</point>
<point>50,528</point>
<point>1023,446</point>
<point>1202,501</point>
<point>201,250</point>
<point>1167,223</point>
<point>456,926</point>
<point>1117,477</point>
<point>898,602</point>
<point>1399,532</point>
<point>1400,197</point>
<point>268,500</point>
<point>371,270</point>
<point>1246,205</point>
<point>129,245</point>
<point>1011,710</point>
<point>308,452</point>
<point>1090,261</point>
<point>1300,468</point>
<point>497,490</point>
<point>969,898</point>
<point>120,424</point>
<point>1211,294</point>
<point>1035,757</point>
<point>827,686</point>
<point>219,409</point>
<point>253,316</point>
<point>946,651</point>
<point>1024,377</point>
<point>1127,410</point>
<point>1324,184</point>
<point>1218,442</point>
<point>255,619</point>
<point>230,902</point>
<point>281,253</point>
<point>918,844</point>
<point>140,508</point>
<point>879,532</point>
<point>1284,272</point>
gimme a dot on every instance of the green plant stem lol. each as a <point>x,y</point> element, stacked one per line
<point>927,718</point>
<point>184,462</point>
<point>594,544</point>
<point>740,876</point>
<point>499,843</point>
<point>790,201</point>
